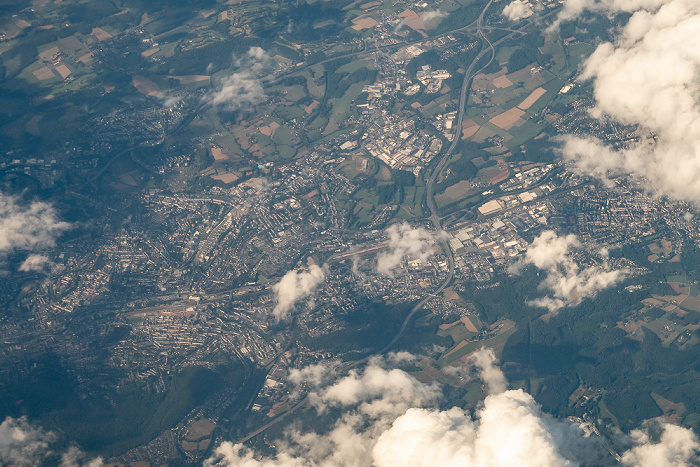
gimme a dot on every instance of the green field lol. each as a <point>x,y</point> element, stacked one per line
<point>682,278</point>
<point>354,66</point>
<point>524,132</point>
<point>504,53</point>
<point>578,53</point>
<point>343,107</point>
<point>661,326</point>
<point>606,413</point>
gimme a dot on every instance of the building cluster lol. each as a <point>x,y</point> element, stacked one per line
<point>187,278</point>
<point>431,79</point>
<point>399,144</point>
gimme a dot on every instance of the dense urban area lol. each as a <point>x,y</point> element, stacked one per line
<point>245,189</point>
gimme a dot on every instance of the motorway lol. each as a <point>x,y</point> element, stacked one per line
<point>430,186</point>
<point>434,216</point>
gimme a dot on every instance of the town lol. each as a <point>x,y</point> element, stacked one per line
<point>201,179</point>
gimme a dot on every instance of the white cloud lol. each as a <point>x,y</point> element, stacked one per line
<point>242,89</point>
<point>517,10</point>
<point>377,391</point>
<point>22,444</point>
<point>565,280</point>
<point>238,90</point>
<point>407,429</point>
<point>315,375</point>
<point>401,357</point>
<point>405,241</point>
<point>572,9</point>
<point>370,400</point>
<point>677,447</point>
<point>509,429</point>
<point>74,457</point>
<point>258,53</point>
<point>295,286</point>
<point>27,226</point>
<point>356,262</point>
<point>171,101</point>
<point>490,374</point>
<point>432,17</point>
<point>648,77</point>
<point>35,262</point>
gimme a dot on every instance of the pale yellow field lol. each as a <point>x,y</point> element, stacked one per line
<point>63,70</point>
<point>469,128</point>
<point>100,34</point>
<point>412,20</point>
<point>507,119</point>
<point>149,52</point>
<point>468,324</point>
<point>459,190</point>
<point>187,79</point>
<point>32,125</point>
<point>218,154</point>
<point>86,59</point>
<point>363,22</point>
<point>226,178</point>
<point>532,98</point>
<point>310,108</point>
<point>145,86</point>
<point>502,82</point>
<point>43,73</point>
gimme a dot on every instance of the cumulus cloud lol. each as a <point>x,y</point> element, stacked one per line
<point>565,280</point>
<point>22,444</point>
<point>356,262</point>
<point>510,429</point>
<point>404,240</point>
<point>259,54</point>
<point>238,90</point>
<point>171,101</point>
<point>407,428</point>
<point>677,446</point>
<point>517,10</point>
<point>370,400</point>
<point>34,262</point>
<point>27,226</point>
<point>649,78</point>
<point>244,88</point>
<point>315,375</point>
<point>74,457</point>
<point>572,9</point>
<point>491,375</point>
<point>377,391</point>
<point>295,286</point>
<point>401,357</point>
<point>432,17</point>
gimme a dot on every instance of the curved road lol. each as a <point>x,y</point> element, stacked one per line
<point>434,217</point>
<point>430,187</point>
